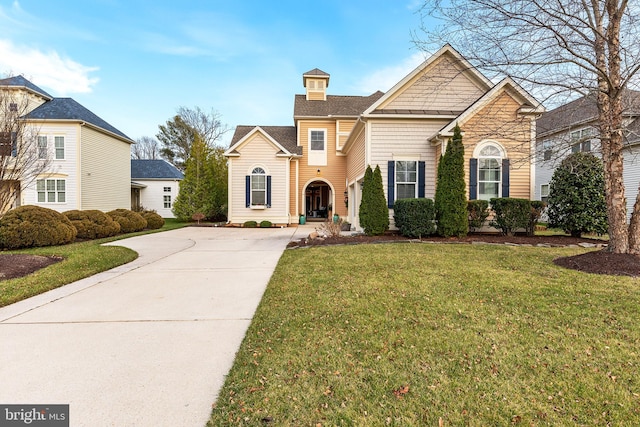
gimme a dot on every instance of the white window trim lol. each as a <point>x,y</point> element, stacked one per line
<point>317,157</point>
<point>395,178</point>
<point>251,190</point>
<point>55,148</point>
<point>56,191</point>
<point>476,154</point>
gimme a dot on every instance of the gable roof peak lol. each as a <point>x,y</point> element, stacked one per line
<point>20,81</point>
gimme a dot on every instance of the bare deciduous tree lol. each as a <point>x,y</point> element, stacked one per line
<point>557,49</point>
<point>178,134</point>
<point>23,157</point>
<point>145,147</point>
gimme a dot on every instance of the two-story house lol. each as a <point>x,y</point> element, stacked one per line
<point>316,167</point>
<point>573,127</point>
<point>88,159</point>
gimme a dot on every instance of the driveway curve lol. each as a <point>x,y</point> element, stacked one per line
<point>148,343</point>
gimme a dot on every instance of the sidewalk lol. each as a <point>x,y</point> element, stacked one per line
<point>148,343</point>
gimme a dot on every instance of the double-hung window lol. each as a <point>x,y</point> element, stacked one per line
<point>51,190</point>
<point>317,140</point>
<point>406,179</point>
<point>489,172</point>
<point>581,140</point>
<point>42,147</point>
<point>258,187</point>
<point>59,145</point>
<point>167,202</point>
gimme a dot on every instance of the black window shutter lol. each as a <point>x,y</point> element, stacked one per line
<point>421,172</point>
<point>247,190</point>
<point>473,179</point>
<point>268,191</point>
<point>505,177</point>
<point>391,183</point>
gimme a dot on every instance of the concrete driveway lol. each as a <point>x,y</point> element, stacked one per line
<point>148,343</point>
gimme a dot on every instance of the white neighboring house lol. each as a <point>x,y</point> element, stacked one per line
<point>155,185</point>
<point>89,167</point>
<point>573,127</point>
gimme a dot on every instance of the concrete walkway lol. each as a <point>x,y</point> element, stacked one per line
<point>148,343</point>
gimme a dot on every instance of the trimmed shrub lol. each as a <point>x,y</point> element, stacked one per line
<point>478,211</point>
<point>537,207</point>
<point>266,224</point>
<point>374,213</point>
<point>250,224</point>
<point>451,198</point>
<point>30,226</point>
<point>415,217</point>
<point>576,196</point>
<point>510,214</point>
<point>129,221</point>
<point>154,221</point>
<point>92,224</point>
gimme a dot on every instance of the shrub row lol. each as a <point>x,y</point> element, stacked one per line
<point>33,226</point>
<point>416,217</point>
<point>254,224</point>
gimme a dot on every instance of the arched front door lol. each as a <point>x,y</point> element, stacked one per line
<point>317,200</point>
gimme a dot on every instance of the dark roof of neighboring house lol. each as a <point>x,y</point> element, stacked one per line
<point>580,112</point>
<point>316,72</point>
<point>284,135</point>
<point>20,81</point>
<point>69,109</point>
<point>154,169</point>
<point>339,106</point>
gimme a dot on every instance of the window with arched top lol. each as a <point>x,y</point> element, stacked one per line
<point>489,172</point>
<point>258,188</point>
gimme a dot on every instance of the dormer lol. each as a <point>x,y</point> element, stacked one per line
<point>316,82</point>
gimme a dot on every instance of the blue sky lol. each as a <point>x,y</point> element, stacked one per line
<point>134,62</point>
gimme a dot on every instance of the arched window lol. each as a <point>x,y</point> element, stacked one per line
<point>488,172</point>
<point>258,187</point>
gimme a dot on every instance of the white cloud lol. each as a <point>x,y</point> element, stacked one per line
<point>47,69</point>
<point>384,78</point>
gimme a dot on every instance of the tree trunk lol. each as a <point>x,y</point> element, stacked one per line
<point>634,227</point>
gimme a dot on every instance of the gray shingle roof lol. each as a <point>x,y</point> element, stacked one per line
<point>154,169</point>
<point>69,109</point>
<point>316,72</point>
<point>20,81</point>
<point>284,135</point>
<point>340,106</point>
<point>580,112</point>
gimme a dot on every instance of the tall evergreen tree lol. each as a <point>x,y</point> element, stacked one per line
<point>373,212</point>
<point>204,187</point>
<point>451,199</point>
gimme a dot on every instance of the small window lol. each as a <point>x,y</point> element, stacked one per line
<point>258,187</point>
<point>406,179</point>
<point>581,140</point>
<point>59,144</point>
<point>42,147</point>
<point>547,149</point>
<point>317,140</point>
<point>13,106</point>
<point>167,189</point>
<point>544,192</point>
<point>167,201</point>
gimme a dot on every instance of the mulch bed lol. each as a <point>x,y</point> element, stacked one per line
<point>597,262</point>
<point>18,265</point>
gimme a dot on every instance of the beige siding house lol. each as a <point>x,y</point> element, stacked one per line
<point>404,132</point>
<point>89,160</point>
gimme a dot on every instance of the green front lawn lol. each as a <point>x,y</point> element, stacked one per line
<point>422,334</point>
<point>81,260</point>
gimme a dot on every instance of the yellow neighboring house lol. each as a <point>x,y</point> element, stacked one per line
<point>316,167</point>
<point>89,160</point>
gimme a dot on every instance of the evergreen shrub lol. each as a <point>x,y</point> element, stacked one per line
<point>510,214</point>
<point>129,221</point>
<point>30,226</point>
<point>478,211</point>
<point>266,224</point>
<point>415,217</point>
<point>154,221</point>
<point>250,224</point>
<point>92,224</point>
